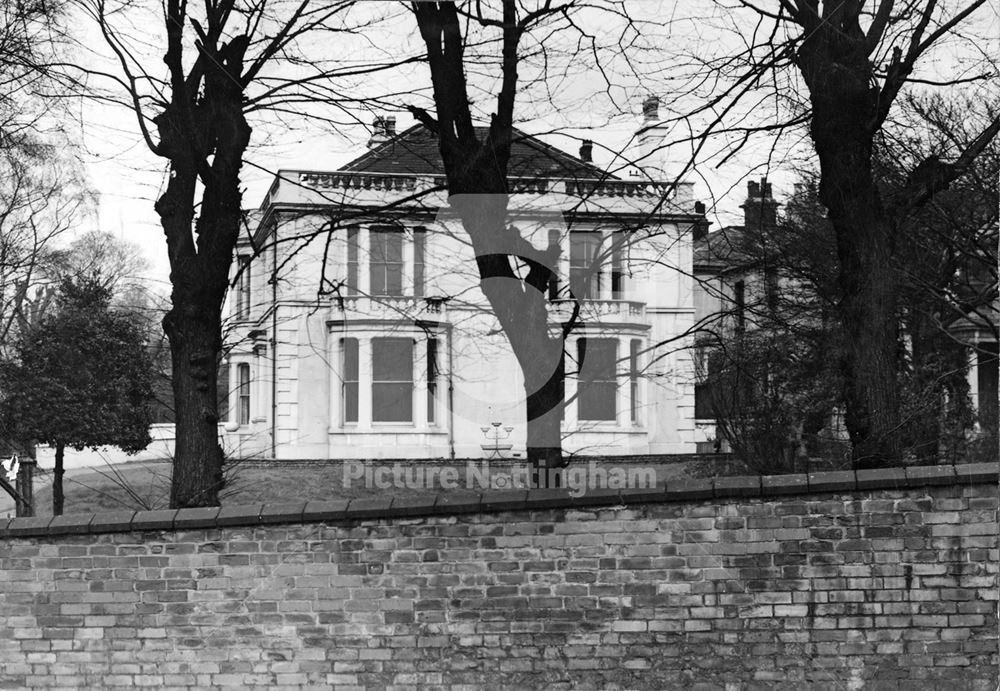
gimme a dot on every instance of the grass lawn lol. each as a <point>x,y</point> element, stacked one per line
<point>146,485</point>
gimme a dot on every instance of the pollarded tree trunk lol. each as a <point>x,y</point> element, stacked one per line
<point>201,254</point>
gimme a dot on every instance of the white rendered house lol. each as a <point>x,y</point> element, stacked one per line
<point>357,328</point>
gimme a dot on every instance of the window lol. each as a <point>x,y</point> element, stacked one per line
<point>432,374</point>
<point>386,262</point>
<point>352,260</point>
<point>597,387</point>
<point>704,406</point>
<point>618,240</point>
<point>349,365</point>
<point>223,383</point>
<point>584,272</point>
<point>243,287</point>
<point>419,245</point>
<point>243,393</point>
<point>554,238</point>
<point>392,380</point>
<point>740,298</point>
<point>633,380</point>
<point>772,287</point>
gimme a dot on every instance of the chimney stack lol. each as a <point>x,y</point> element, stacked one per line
<point>700,228</point>
<point>651,109</point>
<point>383,129</point>
<point>587,151</point>
<point>760,211</point>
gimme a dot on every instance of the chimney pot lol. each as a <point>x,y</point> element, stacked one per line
<point>651,108</point>
<point>587,150</point>
<point>390,126</point>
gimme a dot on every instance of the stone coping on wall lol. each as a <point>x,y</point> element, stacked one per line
<point>443,504</point>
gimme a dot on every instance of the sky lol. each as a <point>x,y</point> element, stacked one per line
<point>569,99</point>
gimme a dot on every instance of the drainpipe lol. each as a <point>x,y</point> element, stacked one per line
<point>274,346</point>
<point>451,399</point>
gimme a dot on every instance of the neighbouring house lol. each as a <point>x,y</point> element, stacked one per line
<point>765,293</point>
<point>978,330</point>
<point>357,328</point>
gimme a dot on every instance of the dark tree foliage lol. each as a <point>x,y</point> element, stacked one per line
<point>81,378</point>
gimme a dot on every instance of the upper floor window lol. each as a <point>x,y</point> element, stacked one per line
<point>243,286</point>
<point>740,298</point>
<point>353,268</point>
<point>597,388</point>
<point>584,270</point>
<point>419,249</point>
<point>386,262</point>
<point>618,247</point>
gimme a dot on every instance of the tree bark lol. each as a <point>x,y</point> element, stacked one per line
<point>198,458</point>
<point>57,481</point>
<point>204,137</point>
<point>845,115</point>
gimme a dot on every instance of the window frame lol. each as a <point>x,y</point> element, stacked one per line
<point>243,400</point>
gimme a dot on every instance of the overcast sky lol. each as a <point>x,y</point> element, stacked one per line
<point>570,100</point>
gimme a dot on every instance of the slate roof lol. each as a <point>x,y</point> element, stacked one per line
<point>415,152</point>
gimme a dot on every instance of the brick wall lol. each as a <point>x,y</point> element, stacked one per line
<point>879,579</point>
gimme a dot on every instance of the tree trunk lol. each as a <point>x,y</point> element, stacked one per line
<point>201,254</point>
<point>194,348</point>
<point>545,402</point>
<point>57,481</point>
<point>845,112</point>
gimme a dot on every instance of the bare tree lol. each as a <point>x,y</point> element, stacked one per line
<point>513,274</point>
<point>840,68</point>
<point>223,66</point>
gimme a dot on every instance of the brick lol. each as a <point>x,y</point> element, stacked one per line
<point>881,478</point>
<point>922,475</point>
<point>289,512</point>
<point>325,510</point>
<point>775,485</point>
<point>239,515</point>
<point>154,520</point>
<point>70,524</point>
<point>203,517</point>
<point>739,486</point>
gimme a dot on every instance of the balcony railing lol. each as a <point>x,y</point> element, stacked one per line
<point>390,307</point>
<point>625,311</point>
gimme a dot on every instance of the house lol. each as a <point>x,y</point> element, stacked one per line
<point>761,285</point>
<point>357,328</point>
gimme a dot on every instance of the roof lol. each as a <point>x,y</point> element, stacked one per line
<point>416,152</point>
<point>721,249</point>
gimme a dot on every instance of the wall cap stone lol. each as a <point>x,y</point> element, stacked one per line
<point>683,489</point>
